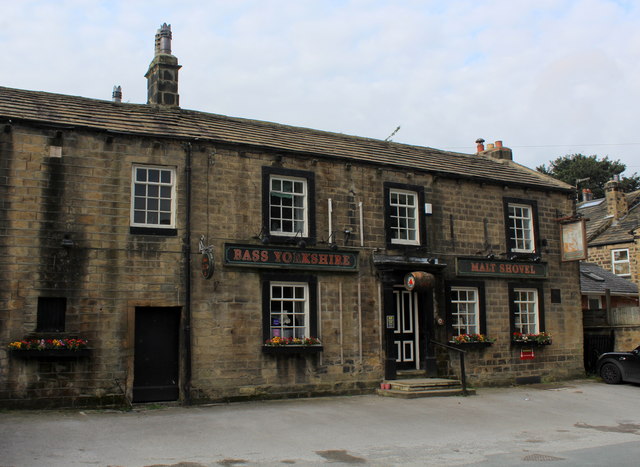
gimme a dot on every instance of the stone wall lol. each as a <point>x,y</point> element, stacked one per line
<point>108,272</point>
<point>83,196</point>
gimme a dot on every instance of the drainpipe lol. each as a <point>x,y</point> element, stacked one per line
<point>186,325</point>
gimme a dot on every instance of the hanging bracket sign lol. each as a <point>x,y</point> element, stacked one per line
<point>419,281</point>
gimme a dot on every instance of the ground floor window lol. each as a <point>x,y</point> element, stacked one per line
<point>527,315</point>
<point>51,314</point>
<point>465,308</point>
<point>289,305</point>
<point>464,314</point>
<point>289,309</point>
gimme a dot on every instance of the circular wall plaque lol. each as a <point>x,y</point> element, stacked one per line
<point>207,264</point>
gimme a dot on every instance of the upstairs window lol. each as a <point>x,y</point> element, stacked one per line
<point>288,204</point>
<point>403,219</point>
<point>620,264</point>
<point>153,194</point>
<point>521,226</point>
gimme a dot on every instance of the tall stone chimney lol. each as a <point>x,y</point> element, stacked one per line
<point>162,76</point>
<point>615,199</point>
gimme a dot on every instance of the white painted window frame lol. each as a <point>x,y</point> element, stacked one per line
<point>303,196</point>
<point>527,310</point>
<point>300,308</point>
<point>462,308</point>
<point>396,218</point>
<point>616,262</point>
<point>161,186</point>
<point>521,225</point>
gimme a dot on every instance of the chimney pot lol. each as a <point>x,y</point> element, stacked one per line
<point>479,145</point>
<point>498,144</point>
<point>490,146</point>
<point>117,94</point>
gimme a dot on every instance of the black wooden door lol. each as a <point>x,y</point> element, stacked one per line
<point>406,332</point>
<point>594,346</point>
<point>156,368</point>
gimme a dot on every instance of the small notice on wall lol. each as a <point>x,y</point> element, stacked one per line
<point>527,354</point>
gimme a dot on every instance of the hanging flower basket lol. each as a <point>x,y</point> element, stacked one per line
<point>291,345</point>
<point>542,338</point>
<point>49,348</point>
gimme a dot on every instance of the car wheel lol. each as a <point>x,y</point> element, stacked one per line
<point>610,373</point>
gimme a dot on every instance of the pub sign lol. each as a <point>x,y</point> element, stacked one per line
<point>500,268</point>
<point>290,258</point>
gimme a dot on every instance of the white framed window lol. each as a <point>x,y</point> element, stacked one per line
<point>620,264</point>
<point>403,217</point>
<point>465,311</point>
<point>153,196</point>
<point>526,318</point>
<point>288,201</point>
<point>521,231</point>
<point>289,309</point>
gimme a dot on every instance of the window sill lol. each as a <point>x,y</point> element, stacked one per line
<point>158,231</point>
<point>530,343</point>
<point>291,349</point>
<point>50,353</point>
<point>470,345</point>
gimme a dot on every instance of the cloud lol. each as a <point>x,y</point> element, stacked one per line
<point>549,77</point>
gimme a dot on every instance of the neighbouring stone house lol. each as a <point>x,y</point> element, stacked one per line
<point>610,310</point>
<point>179,242</point>
<point>613,228</point>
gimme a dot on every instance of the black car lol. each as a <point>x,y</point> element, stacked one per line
<point>615,367</point>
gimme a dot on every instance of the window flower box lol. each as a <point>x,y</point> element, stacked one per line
<point>49,348</point>
<point>542,338</point>
<point>291,345</point>
<point>471,341</point>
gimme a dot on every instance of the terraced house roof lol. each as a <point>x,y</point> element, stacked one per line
<point>603,229</point>
<point>143,119</point>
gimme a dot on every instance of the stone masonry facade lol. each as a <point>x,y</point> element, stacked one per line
<point>108,272</point>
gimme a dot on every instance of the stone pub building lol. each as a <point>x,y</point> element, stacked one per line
<point>182,244</point>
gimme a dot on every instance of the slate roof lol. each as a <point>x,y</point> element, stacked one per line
<point>602,229</point>
<point>142,119</point>
<point>596,280</point>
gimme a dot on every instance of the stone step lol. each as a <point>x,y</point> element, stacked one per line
<point>428,393</point>
<point>421,384</point>
<point>423,387</point>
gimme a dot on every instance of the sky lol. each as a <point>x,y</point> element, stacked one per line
<point>547,77</point>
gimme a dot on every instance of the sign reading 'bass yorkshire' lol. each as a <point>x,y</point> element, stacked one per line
<point>269,257</point>
<point>500,268</point>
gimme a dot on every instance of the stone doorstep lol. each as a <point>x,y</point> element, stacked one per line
<point>423,387</point>
<point>421,384</point>
<point>417,394</point>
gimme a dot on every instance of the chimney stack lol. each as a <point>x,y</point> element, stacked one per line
<point>495,150</point>
<point>616,201</point>
<point>117,94</point>
<point>162,76</point>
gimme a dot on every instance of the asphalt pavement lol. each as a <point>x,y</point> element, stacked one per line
<point>562,424</point>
